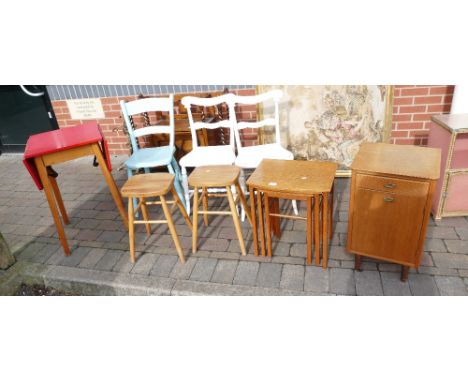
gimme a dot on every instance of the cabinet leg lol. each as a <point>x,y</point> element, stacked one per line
<point>404,273</point>
<point>357,262</point>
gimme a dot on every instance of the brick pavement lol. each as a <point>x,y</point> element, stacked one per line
<point>100,246</point>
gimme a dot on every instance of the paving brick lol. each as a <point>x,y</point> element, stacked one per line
<point>393,286</point>
<point>108,261</point>
<point>88,234</point>
<point>235,247</point>
<point>163,265</point>
<point>124,265</point>
<point>316,280</point>
<point>293,237</point>
<point>450,260</point>
<point>437,232</point>
<point>246,273</point>
<point>340,227</point>
<point>366,265</point>
<point>224,271</point>
<point>87,224</point>
<point>456,246</point>
<point>76,257</point>
<point>29,251</point>
<point>111,236</point>
<point>225,255</point>
<point>93,256</point>
<point>203,269</point>
<point>269,275</point>
<point>183,271</point>
<point>423,285</point>
<point>212,244</point>
<point>48,251</point>
<point>279,248</point>
<point>438,271</point>
<point>434,245</point>
<point>292,277</point>
<point>339,253</point>
<point>426,260</point>
<point>298,250</point>
<point>463,272</point>
<point>462,232</point>
<point>342,281</point>
<point>451,286</point>
<point>368,283</point>
<point>287,260</point>
<point>458,221</point>
<point>144,263</point>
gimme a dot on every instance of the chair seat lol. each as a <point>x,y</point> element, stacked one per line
<point>150,157</point>
<point>208,155</point>
<point>251,156</point>
<point>214,176</point>
<point>147,185</point>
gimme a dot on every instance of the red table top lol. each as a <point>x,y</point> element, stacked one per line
<point>62,139</point>
<point>59,140</point>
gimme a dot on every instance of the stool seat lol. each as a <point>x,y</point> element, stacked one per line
<point>214,176</point>
<point>148,185</point>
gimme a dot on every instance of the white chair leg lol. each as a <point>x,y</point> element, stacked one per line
<point>294,204</point>
<point>186,189</point>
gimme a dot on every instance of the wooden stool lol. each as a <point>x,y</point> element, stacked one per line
<point>148,186</point>
<point>223,176</point>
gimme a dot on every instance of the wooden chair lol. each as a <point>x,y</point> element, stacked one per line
<point>206,155</point>
<point>156,185</point>
<point>205,177</point>
<point>249,157</point>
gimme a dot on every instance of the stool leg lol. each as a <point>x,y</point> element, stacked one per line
<point>260,221</point>
<point>144,212</point>
<point>317,228</point>
<point>268,224</point>
<point>131,229</point>
<point>325,229</point>
<point>170,223</point>
<point>181,208</point>
<point>254,219</point>
<point>244,202</point>
<point>195,220</point>
<point>235,217</point>
<point>330,220</point>
<point>205,204</point>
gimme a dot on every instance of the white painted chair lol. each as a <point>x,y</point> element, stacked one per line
<point>249,157</point>
<point>207,155</point>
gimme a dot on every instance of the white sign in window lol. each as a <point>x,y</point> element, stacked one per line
<point>89,108</point>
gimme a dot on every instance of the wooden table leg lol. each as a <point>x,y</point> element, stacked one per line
<point>309,234</point>
<point>330,222</point>
<point>317,228</point>
<point>357,262</point>
<point>260,220</point>
<point>48,190</point>
<point>110,183</point>
<point>131,229</point>
<point>58,198</point>
<point>195,220</point>
<point>268,223</point>
<point>325,214</point>
<point>275,220</point>
<point>253,220</point>
<point>404,273</point>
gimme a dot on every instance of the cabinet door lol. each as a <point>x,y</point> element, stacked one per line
<point>387,225</point>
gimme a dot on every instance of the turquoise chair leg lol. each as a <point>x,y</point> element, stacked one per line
<point>177,184</point>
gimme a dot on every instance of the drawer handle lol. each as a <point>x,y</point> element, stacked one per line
<point>390,185</point>
<point>388,199</point>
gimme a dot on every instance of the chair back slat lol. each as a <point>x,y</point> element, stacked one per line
<point>143,106</point>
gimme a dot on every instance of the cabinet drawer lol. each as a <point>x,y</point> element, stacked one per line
<point>393,185</point>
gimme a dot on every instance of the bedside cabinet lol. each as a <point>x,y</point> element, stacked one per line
<point>390,202</point>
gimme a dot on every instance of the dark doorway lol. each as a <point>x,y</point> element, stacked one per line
<point>24,111</point>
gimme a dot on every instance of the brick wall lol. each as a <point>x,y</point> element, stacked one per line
<point>413,107</point>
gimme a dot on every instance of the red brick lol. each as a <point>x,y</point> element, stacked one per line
<point>412,109</point>
<point>399,133</point>
<point>427,100</point>
<point>403,101</point>
<point>410,125</point>
<point>415,91</point>
<point>439,108</point>
<point>401,117</point>
<point>419,133</point>
<point>403,141</point>
<point>446,89</point>
<point>422,117</point>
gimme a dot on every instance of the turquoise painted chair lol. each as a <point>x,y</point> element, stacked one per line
<point>149,157</point>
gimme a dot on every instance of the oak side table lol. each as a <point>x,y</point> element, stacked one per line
<point>311,181</point>
<point>449,132</point>
<point>390,202</point>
